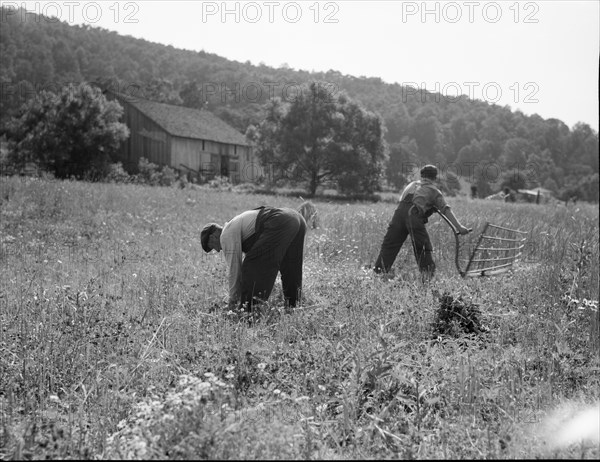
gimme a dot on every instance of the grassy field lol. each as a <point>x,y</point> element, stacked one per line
<point>113,342</point>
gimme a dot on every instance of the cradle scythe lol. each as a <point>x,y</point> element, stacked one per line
<point>494,253</point>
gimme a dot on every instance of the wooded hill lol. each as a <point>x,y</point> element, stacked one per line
<point>483,142</point>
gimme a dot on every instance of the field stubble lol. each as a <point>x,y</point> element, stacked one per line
<point>114,342</point>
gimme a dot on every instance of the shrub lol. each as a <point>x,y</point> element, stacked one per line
<point>167,176</point>
<point>245,188</point>
<point>183,181</point>
<point>117,174</point>
<point>221,183</point>
<point>456,316</point>
<point>147,172</point>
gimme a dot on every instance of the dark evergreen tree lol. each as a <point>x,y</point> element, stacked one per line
<point>72,133</point>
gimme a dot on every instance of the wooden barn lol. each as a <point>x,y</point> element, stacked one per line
<point>188,140</point>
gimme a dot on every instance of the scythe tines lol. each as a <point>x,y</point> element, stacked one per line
<point>496,250</point>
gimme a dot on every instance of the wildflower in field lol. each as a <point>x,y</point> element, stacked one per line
<point>161,424</point>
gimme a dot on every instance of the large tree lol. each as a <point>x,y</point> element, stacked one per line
<point>322,136</point>
<point>515,153</point>
<point>70,133</point>
<point>403,159</point>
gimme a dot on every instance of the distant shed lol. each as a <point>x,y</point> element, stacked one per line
<point>537,195</point>
<point>186,139</point>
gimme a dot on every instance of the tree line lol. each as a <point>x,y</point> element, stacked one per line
<point>470,138</point>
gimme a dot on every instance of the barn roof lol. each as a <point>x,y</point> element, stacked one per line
<point>187,122</point>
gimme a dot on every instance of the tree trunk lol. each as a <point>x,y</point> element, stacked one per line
<point>314,182</point>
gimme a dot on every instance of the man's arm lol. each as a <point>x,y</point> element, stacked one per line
<point>234,261</point>
<point>440,204</point>
<point>231,244</point>
<point>450,215</point>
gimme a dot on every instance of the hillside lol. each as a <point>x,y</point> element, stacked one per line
<point>470,135</point>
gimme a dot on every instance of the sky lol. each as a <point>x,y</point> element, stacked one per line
<point>536,56</point>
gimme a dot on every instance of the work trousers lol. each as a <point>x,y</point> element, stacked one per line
<point>406,221</point>
<point>276,246</point>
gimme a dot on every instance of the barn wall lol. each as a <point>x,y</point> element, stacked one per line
<point>186,152</point>
<point>209,157</point>
<point>146,139</point>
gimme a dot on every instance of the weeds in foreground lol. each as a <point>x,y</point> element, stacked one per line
<point>111,345</point>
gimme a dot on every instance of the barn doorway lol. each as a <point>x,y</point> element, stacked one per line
<point>225,166</point>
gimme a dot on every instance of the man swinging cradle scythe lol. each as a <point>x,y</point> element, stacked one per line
<point>418,201</point>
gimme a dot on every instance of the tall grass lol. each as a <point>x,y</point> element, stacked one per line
<point>114,342</point>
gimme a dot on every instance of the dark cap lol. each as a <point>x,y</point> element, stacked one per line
<point>205,234</point>
<point>429,171</point>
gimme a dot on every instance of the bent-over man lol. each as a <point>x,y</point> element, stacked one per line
<point>258,244</point>
<point>418,202</point>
